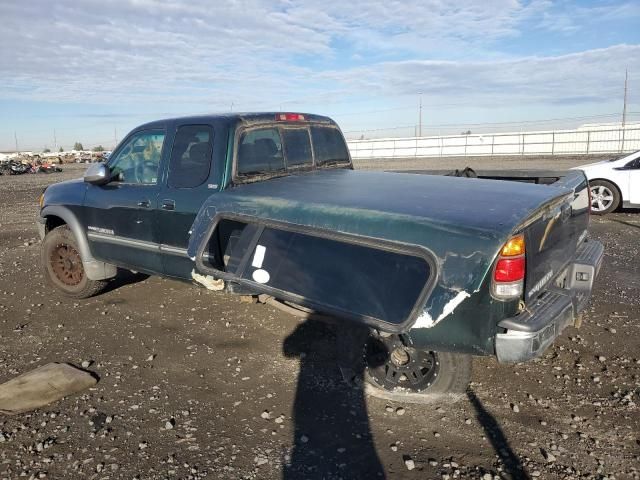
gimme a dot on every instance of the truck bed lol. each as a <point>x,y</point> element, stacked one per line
<point>542,177</point>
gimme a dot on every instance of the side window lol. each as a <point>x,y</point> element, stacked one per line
<point>633,164</point>
<point>260,151</point>
<point>191,156</point>
<point>297,147</point>
<point>138,160</point>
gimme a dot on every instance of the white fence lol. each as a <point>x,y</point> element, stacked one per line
<point>558,142</point>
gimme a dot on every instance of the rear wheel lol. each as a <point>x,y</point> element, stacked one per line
<point>390,368</point>
<point>605,197</point>
<point>63,268</point>
<point>398,372</point>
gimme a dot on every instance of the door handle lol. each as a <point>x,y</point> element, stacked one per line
<point>144,203</point>
<point>168,205</point>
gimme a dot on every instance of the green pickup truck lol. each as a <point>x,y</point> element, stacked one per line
<point>438,268</point>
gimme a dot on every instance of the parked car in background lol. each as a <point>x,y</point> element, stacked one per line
<point>614,183</point>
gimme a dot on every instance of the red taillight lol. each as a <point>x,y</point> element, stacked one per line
<point>290,117</point>
<point>510,269</point>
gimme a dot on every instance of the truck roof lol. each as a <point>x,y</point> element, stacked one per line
<point>235,117</point>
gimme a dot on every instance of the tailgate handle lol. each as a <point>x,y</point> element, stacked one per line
<point>168,205</point>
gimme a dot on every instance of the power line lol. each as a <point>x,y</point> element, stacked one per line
<point>520,122</point>
<point>415,129</point>
<point>395,109</point>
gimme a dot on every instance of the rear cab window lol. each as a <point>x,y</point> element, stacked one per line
<point>276,149</point>
<point>328,150</point>
<point>260,151</point>
<point>297,147</point>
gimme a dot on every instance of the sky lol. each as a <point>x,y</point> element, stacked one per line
<point>91,70</point>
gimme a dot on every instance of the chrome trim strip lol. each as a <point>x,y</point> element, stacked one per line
<point>129,242</point>
<point>182,252</point>
<point>126,242</point>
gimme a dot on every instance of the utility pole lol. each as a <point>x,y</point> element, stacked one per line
<point>15,136</point>
<point>624,107</point>
<point>624,110</point>
<point>115,137</point>
<point>420,116</point>
<point>55,140</point>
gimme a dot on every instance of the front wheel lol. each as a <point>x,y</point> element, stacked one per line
<point>395,371</point>
<point>63,268</point>
<point>605,197</point>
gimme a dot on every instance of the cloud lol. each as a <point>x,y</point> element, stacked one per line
<point>191,51</point>
<point>585,77</point>
<point>567,18</point>
<point>189,56</point>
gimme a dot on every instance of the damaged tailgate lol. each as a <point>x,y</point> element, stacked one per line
<point>380,283</point>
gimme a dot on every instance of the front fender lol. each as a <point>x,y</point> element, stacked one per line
<point>95,269</point>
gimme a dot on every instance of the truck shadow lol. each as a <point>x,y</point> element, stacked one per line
<point>124,277</point>
<point>512,464</point>
<point>332,436</point>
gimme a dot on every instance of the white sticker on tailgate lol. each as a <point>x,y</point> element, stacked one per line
<point>258,256</point>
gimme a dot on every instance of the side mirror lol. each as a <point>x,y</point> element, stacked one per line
<point>97,174</point>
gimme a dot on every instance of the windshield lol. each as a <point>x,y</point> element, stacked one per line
<point>280,149</point>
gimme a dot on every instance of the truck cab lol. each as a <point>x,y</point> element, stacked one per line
<point>135,210</point>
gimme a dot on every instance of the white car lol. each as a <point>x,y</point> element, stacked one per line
<point>614,183</point>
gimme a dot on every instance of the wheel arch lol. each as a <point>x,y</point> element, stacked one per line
<point>58,215</point>
<point>52,221</point>
<point>608,181</point>
<point>615,185</point>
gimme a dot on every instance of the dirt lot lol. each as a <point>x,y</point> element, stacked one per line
<point>197,384</point>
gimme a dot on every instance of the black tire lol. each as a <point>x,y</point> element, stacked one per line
<point>605,197</point>
<point>426,376</point>
<point>63,267</point>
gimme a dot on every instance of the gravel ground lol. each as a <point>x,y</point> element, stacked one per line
<point>197,384</point>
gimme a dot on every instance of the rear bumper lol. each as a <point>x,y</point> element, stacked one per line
<point>530,333</point>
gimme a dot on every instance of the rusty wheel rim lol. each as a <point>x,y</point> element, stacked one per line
<point>66,265</point>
